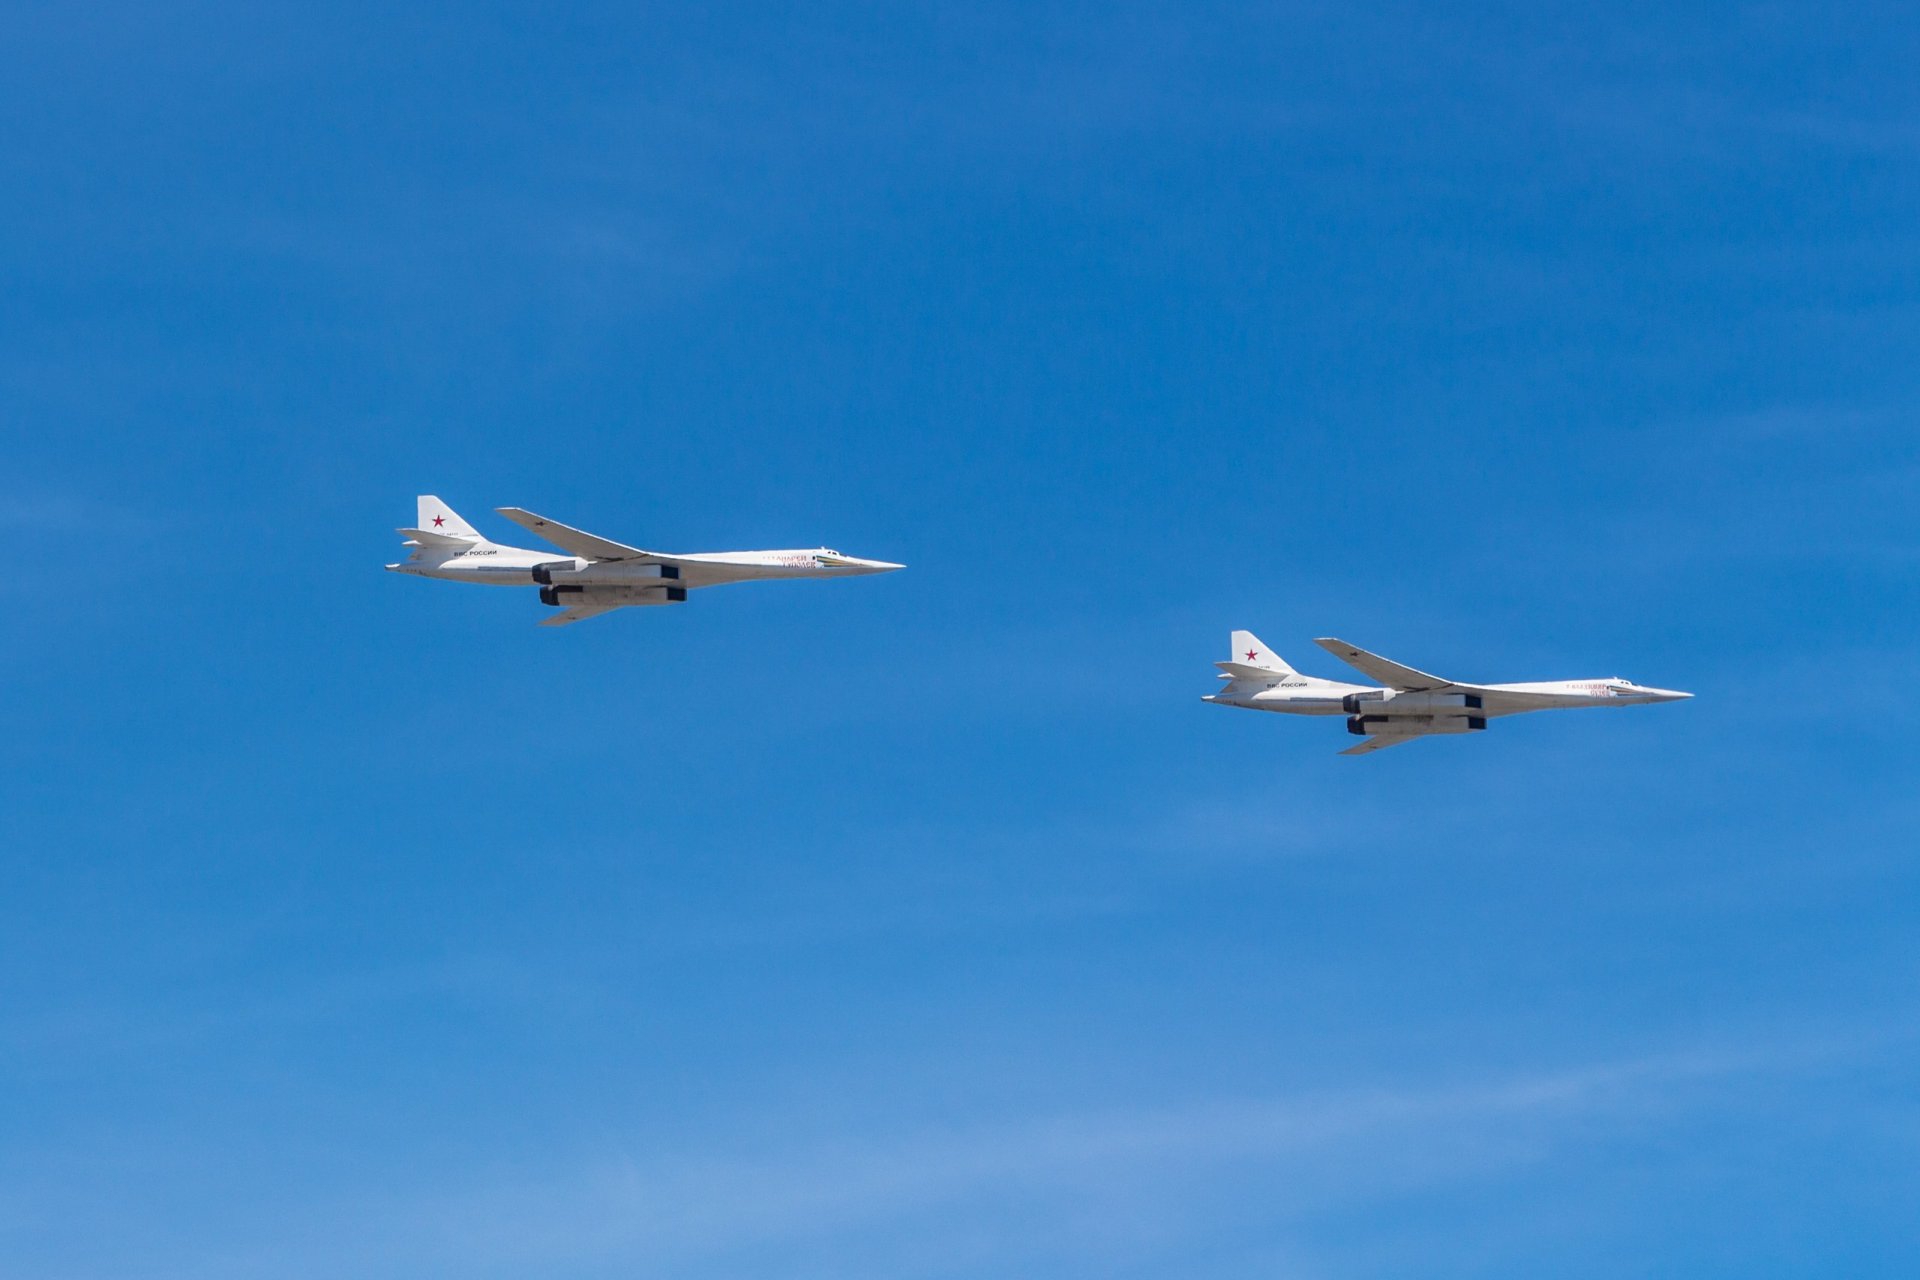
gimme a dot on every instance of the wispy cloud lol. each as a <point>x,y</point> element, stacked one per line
<point>1111,1176</point>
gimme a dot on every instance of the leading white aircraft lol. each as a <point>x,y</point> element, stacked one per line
<point>1406,704</point>
<point>597,576</point>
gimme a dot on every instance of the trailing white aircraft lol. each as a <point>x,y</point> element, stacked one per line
<point>597,576</point>
<point>1406,704</point>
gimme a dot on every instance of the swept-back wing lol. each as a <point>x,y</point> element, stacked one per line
<point>1388,673</point>
<point>579,613</point>
<point>576,541</point>
<point>1381,743</point>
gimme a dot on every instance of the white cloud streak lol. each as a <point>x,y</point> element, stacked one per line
<point>1123,1176</point>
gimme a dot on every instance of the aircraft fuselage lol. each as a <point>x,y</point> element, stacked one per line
<point>1306,696</point>
<point>520,567</point>
<point>587,575</point>
<point>1414,705</point>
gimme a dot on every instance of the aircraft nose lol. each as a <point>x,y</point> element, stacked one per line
<point>1669,695</point>
<point>880,566</point>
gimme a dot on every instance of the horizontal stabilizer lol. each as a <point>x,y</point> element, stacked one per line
<point>574,541</point>
<point>428,538</point>
<point>1241,671</point>
<point>1390,674</point>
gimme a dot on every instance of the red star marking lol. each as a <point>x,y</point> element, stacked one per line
<point>438,521</point>
<point>1252,654</point>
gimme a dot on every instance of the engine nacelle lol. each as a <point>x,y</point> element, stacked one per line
<point>1410,704</point>
<point>594,573</point>
<point>1378,726</point>
<point>574,596</point>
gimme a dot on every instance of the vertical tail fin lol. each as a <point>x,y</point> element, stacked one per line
<point>1249,651</point>
<point>437,517</point>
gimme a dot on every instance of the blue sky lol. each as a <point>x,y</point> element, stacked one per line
<point>929,925</point>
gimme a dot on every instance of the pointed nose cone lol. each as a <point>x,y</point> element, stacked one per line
<point>1668,695</point>
<point>879,566</point>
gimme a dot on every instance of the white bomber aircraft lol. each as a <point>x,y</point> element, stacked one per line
<point>597,576</point>
<point>1406,704</point>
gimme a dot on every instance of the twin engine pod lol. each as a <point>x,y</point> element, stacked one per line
<point>1410,704</point>
<point>617,573</point>
<point>1398,724</point>
<point>613,584</point>
<point>569,596</point>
